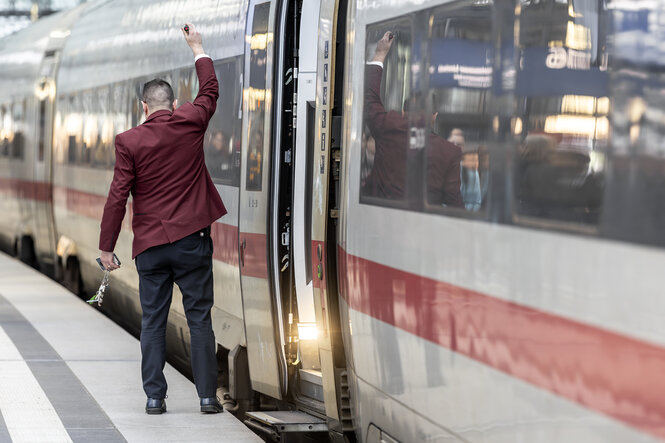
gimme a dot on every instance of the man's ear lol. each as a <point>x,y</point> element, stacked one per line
<point>175,104</point>
<point>145,108</point>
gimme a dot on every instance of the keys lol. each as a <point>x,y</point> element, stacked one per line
<point>99,295</point>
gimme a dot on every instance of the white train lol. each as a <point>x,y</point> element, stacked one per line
<point>531,312</point>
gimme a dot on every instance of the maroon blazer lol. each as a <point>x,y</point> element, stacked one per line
<point>161,163</point>
<point>390,130</point>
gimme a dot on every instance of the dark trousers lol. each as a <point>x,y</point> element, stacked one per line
<point>188,263</point>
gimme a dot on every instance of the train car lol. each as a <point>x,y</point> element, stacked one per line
<point>531,311</point>
<point>445,217</point>
<point>27,90</point>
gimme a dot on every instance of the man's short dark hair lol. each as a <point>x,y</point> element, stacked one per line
<point>158,93</point>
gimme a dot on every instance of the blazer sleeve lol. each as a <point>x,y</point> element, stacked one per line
<point>116,203</point>
<point>205,102</point>
<point>375,113</point>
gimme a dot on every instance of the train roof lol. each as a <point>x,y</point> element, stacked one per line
<point>123,39</point>
<point>21,53</point>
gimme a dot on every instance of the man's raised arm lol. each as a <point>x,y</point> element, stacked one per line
<point>376,113</point>
<point>206,99</point>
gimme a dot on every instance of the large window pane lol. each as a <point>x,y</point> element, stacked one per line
<point>222,140</point>
<point>460,82</point>
<point>562,125</point>
<point>256,96</point>
<point>18,140</point>
<point>5,131</point>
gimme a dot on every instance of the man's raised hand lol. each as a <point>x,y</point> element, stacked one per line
<point>383,47</point>
<point>193,38</point>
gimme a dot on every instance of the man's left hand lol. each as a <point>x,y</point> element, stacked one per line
<point>107,261</point>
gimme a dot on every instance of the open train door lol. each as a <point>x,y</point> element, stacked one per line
<point>321,376</point>
<point>262,313</point>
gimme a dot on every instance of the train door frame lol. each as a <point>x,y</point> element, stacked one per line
<point>43,165</point>
<point>325,166</point>
<point>262,313</point>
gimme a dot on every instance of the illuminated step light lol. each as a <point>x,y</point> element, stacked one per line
<point>307,331</point>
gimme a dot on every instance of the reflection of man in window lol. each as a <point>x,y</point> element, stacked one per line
<point>254,159</point>
<point>216,154</point>
<point>390,130</point>
<point>368,147</point>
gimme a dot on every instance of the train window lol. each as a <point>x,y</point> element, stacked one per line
<point>5,131</point>
<point>68,129</point>
<point>561,121</point>
<point>136,112</point>
<point>18,123</point>
<point>187,87</point>
<point>120,108</point>
<point>57,132</point>
<point>102,116</point>
<point>256,96</point>
<point>90,134</point>
<point>74,128</point>
<point>460,81</point>
<point>222,140</point>
<point>386,123</point>
<point>634,209</point>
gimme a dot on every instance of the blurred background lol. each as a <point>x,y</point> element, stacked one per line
<point>17,14</point>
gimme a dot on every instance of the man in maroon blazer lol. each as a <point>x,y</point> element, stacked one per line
<point>390,130</point>
<point>161,163</point>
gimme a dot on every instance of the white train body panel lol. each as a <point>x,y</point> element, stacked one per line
<point>534,315</point>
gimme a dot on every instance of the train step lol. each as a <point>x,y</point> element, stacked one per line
<point>276,423</point>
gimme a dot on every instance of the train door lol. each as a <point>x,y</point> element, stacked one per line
<point>309,372</point>
<point>315,211</point>
<point>325,210</point>
<point>262,313</point>
<point>44,235</point>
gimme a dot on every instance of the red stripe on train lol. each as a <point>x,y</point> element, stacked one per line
<point>30,190</point>
<point>255,253</point>
<point>225,237</point>
<point>87,204</point>
<point>601,370</point>
<point>225,240</point>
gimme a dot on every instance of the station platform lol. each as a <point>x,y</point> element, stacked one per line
<point>69,374</point>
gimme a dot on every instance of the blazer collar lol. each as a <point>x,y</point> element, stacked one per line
<point>158,114</point>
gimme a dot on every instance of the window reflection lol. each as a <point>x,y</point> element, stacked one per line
<point>222,140</point>
<point>386,117</point>
<point>18,138</point>
<point>5,131</point>
<point>256,96</point>
<point>460,79</point>
<point>187,87</point>
<point>563,125</point>
<point>101,147</point>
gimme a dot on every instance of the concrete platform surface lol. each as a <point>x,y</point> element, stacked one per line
<point>69,374</point>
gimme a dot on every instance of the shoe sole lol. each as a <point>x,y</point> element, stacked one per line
<point>155,411</point>
<point>211,409</point>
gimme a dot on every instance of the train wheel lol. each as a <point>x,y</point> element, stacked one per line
<point>26,251</point>
<point>72,276</point>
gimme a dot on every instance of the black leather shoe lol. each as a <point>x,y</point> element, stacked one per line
<point>155,406</point>
<point>211,405</point>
